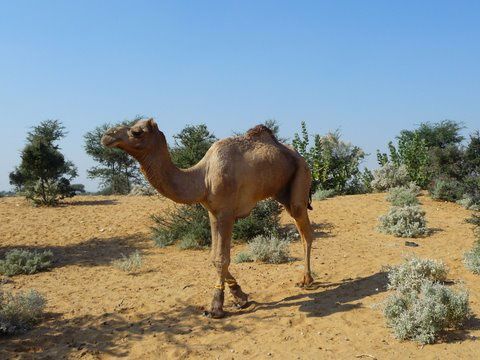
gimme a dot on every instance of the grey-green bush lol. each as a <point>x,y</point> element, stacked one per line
<point>243,256</point>
<point>472,259</point>
<point>405,221</point>
<point>403,196</point>
<point>410,275</point>
<point>267,249</point>
<point>424,314</point>
<point>470,202</point>
<point>130,263</point>
<point>19,312</point>
<point>389,176</point>
<point>25,262</point>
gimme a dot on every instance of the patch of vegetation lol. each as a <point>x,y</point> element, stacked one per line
<point>322,194</point>
<point>25,262</point>
<point>130,263</point>
<point>20,312</point>
<point>389,176</point>
<point>470,202</point>
<point>264,220</point>
<point>243,257</point>
<point>422,316</point>
<point>421,308</point>
<point>403,196</point>
<point>406,221</point>
<point>472,259</point>
<point>188,224</point>
<point>266,249</point>
<point>334,163</point>
<point>44,175</point>
<point>447,190</point>
<point>411,274</point>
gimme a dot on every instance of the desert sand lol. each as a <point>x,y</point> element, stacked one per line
<point>96,311</point>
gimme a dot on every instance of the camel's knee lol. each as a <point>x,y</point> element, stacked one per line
<point>221,263</point>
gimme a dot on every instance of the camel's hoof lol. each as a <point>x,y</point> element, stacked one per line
<point>217,314</point>
<point>306,282</point>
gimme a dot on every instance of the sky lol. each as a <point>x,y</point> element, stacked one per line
<point>367,68</point>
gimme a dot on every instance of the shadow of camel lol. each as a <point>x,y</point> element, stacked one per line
<point>91,252</point>
<point>109,334</point>
<point>337,297</point>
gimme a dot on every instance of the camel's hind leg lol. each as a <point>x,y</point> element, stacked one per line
<point>298,204</point>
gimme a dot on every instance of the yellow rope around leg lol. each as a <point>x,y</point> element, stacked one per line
<point>220,286</point>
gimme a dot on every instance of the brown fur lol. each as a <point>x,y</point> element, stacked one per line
<point>233,176</point>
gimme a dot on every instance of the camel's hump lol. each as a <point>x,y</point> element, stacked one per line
<point>260,131</point>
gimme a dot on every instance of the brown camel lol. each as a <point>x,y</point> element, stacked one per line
<point>232,177</point>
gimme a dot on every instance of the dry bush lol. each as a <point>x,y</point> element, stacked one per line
<point>389,176</point>
<point>322,194</point>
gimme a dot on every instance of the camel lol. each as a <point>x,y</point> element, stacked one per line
<point>232,177</point>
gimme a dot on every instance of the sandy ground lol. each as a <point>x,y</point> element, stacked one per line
<point>98,312</point>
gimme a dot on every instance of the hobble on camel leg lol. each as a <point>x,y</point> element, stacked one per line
<point>241,299</point>
<point>306,233</point>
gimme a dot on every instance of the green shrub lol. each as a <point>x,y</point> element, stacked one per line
<point>403,196</point>
<point>424,314</point>
<point>130,263</point>
<point>264,220</point>
<point>19,312</point>
<point>187,223</point>
<point>405,221</point>
<point>322,194</point>
<point>190,225</point>
<point>410,275</point>
<point>142,190</point>
<point>25,262</point>
<point>272,250</point>
<point>244,256</point>
<point>389,176</point>
<point>447,190</point>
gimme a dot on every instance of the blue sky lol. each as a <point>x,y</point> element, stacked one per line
<point>368,68</point>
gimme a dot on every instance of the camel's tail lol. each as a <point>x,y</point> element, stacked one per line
<point>309,205</point>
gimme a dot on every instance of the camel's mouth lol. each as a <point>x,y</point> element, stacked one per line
<point>109,141</point>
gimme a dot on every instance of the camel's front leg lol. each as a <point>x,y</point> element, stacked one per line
<point>241,299</point>
<point>221,226</point>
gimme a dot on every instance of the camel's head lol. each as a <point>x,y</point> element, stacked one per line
<point>140,137</point>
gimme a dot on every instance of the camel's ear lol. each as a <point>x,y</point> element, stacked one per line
<point>152,125</point>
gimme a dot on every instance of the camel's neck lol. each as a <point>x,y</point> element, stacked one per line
<point>185,186</point>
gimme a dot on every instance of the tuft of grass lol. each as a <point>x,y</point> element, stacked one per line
<point>421,308</point>
<point>243,257</point>
<point>403,196</point>
<point>20,312</point>
<point>268,249</point>
<point>130,263</point>
<point>405,221</point>
<point>322,194</point>
<point>25,262</point>
<point>410,274</point>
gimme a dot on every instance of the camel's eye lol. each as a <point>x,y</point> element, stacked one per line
<point>136,132</point>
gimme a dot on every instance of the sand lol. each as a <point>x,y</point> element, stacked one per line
<point>96,311</point>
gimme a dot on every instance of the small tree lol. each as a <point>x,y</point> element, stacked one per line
<point>191,144</point>
<point>117,171</point>
<point>44,175</point>
<point>334,163</point>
